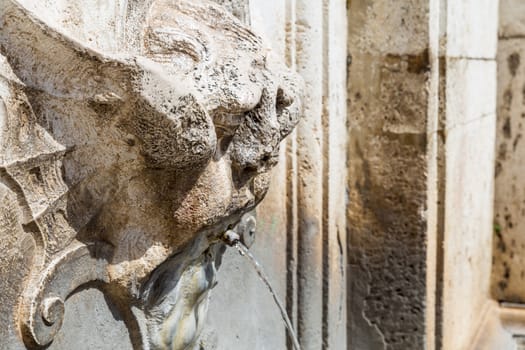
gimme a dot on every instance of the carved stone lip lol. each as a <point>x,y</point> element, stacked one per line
<point>214,233</point>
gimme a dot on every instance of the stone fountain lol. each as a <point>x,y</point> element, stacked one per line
<point>133,135</point>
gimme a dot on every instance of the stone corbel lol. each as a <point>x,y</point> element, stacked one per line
<point>42,307</point>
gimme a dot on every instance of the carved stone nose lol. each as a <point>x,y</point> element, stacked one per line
<point>288,102</point>
<point>255,146</point>
<point>284,98</point>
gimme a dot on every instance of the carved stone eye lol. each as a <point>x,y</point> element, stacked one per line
<point>182,137</point>
<point>227,123</point>
<point>166,44</point>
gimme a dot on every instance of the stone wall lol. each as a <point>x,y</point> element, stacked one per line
<point>389,74</point>
<point>377,230</point>
<point>422,92</point>
<point>469,129</point>
<point>509,203</point>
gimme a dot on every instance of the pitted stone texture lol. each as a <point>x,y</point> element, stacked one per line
<point>387,225</point>
<point>238,8</point>
<point>508,270</point>
<point>389,26</point>
<point>151,127</point>
<point>511,19</point>
<point>509,206</point>
<point>387,174</point>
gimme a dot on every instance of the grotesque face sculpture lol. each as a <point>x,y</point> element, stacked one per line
<point>129,148</point>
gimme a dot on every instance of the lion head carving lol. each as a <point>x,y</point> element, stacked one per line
<point>136,143</point>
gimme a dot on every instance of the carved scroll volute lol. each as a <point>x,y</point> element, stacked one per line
<point>42,307</point>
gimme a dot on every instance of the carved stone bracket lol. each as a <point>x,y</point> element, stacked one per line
<point>43,305</point>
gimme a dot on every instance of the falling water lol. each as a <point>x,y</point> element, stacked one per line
<point>243,250</point>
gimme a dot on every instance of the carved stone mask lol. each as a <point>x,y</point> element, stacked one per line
<point>136,143</point>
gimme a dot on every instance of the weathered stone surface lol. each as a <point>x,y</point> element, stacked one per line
<point>470,28</point>
<point>509,207</point>
<point>388,27</point>
<point>388,102</point>
<point>92,322</point>
<point>511,18</point>
<point>134,136</point>
<point>470,140</point>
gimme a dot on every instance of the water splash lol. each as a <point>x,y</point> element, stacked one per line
<point>243,250</point>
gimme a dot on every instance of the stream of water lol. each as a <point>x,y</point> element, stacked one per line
<point>243,250</point>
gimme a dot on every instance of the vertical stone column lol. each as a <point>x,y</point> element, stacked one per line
<point>468,117</point>
<point>317,174</point>
<point>389,102</point>
<point>309,17</point>
<point>422,119</point>
<point>320,54</point>
<point>509,206</point>
<point>335,143</point>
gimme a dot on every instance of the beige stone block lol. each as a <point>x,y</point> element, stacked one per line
<point>472,28</point>
<point>511,18</point>
<point>389,26</point>
<point>469,148</point>
<point>468,233</point>
<point>470,91</point>
<point>470,123</point>
<point>387,198</point>
<point>509,205</point>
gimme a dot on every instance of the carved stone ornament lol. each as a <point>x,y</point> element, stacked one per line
<point>133,134</point>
